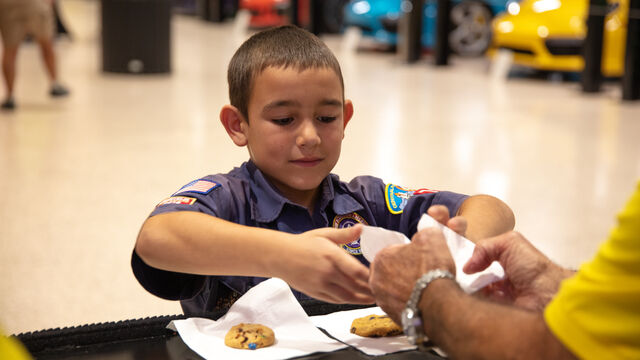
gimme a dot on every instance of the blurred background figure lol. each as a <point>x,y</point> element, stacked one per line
<point>19,18</point>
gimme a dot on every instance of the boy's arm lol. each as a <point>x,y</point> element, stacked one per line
<point>486,216</point>
<point>196,243</point>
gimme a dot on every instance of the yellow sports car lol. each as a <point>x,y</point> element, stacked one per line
<point>549,34</point>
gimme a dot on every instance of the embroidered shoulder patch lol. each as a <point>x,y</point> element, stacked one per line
<point>199,187</point>
<point>397,197</point>
<point>349,220</point>
<point>177,200</point>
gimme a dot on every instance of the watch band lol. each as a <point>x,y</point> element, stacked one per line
<point>422,284</point>
<point>411,319</point>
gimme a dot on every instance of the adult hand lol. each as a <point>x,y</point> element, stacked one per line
<point>531,279</point>
<point>323,270</point>
<point>440,213</point>
<point>396,269</point>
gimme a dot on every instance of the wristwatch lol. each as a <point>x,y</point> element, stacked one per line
<point>411,317</point>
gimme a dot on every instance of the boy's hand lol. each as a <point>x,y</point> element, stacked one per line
<point>323,270</point>
<point>441,214</point>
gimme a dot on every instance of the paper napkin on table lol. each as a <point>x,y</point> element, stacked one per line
<point>374,239</point>
<point>270,303</point>
<point>338,324</point>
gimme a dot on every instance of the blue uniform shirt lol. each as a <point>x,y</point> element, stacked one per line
<point>244,196</point>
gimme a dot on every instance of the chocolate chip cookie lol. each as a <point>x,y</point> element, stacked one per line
<point>249,336</point>
<point>375,326</point>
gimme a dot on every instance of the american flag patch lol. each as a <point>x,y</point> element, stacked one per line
<point>178,200</point>
<point>425,191</point>
<point>199,187</point>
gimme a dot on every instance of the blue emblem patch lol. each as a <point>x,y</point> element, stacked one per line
<point>349,220</point>
<point>396,197</point>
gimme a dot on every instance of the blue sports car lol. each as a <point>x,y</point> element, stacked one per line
<point>471,22</point>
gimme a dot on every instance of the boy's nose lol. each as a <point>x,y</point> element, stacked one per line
<point>308,135</point>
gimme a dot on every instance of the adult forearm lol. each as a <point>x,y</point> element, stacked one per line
<point>197,243</point>
<point>468,328</point>
<point>486,216</point>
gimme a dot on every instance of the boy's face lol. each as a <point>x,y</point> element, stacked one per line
<point>296,126</point>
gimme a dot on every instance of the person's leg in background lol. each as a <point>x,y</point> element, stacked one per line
<point>44,32</point>
<point>34,17</point>
<point>9,54</point>
<point>49,57</point>
<point>12,33</point>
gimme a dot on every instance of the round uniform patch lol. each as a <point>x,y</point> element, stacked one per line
<point>345,221</point>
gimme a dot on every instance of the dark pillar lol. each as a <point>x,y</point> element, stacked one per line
<point>592,51</point>
<point>136,36</point>
<point>315,17</point>
<point>202,9</point>
<point>294,17</point>
<point>443,25</point>
<point>631,76</point>
<point>410,30</point>
<point>216,11</point>
<point>211,10</point>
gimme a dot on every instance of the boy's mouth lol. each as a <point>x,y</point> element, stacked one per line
<point>307,162</point>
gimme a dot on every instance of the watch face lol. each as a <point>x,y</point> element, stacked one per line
<point>407,315</point>
<point>408,325</point>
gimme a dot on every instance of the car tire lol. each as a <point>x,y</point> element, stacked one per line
<point>470,28</point>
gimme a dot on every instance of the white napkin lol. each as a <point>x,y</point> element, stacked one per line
<point>461,250</point>
<point>270,303</point>
<point>374,239</point>
<point>338,324</point>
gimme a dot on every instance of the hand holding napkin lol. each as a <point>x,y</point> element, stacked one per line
<point>374,239</point>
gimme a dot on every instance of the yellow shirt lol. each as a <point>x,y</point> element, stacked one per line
<point>596,314</point>
<point>11,349</point>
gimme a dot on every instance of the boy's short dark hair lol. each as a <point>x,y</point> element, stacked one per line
<point>283,47</point>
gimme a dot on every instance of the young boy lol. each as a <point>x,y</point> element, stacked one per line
<point>282,213</point>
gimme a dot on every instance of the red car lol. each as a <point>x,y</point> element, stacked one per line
<point>267,13</point>
<point>271,13</point>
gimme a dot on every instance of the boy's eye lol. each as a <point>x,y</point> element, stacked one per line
<point>327,119</point>
<point>282,121</point>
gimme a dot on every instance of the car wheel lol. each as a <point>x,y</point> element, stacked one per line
<point>471,28</point>
<point>332,15</point>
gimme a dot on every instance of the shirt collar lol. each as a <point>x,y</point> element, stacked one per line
<point>343,201</point>
<point>267,203</point>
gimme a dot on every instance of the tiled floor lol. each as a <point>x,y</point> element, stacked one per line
<point>78,176</point>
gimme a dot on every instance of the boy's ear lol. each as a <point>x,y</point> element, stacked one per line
<point>234,123</point>
<point>347,113</point>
